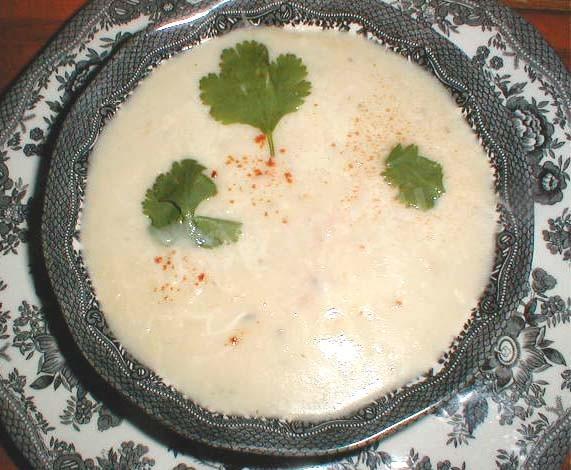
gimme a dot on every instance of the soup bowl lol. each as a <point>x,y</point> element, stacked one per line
<point>457,367</point>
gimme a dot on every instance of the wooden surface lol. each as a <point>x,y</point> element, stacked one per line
<point>26,26</point>
<point>552,5</point>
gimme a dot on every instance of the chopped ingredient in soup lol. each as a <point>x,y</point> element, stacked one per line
<point>252,90</point>
<point>418,178</point>
<point>174,197</point>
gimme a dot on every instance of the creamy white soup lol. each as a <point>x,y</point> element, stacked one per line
<point>336,292</point>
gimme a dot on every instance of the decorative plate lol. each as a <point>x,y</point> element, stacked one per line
<point>516,412</point>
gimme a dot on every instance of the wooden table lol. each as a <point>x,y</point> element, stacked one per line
<point>26,26</point>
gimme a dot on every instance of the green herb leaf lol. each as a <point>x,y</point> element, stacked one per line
<point>210,233</point>
<point>251,90</point>
<point>177,193</point>
<point>174,197</point>
<point>419,179</point>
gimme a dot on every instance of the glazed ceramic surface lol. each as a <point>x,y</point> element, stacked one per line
<point>512,355</point>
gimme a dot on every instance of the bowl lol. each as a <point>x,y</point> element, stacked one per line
<point>69,171</point>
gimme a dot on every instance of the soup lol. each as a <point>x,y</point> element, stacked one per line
<point>335,292</point>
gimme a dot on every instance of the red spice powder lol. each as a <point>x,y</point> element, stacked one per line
<point>260,139</point>
<point>288,177</point>
<point>158,259</point>
<point>201,277</point>
<point>214,174</point>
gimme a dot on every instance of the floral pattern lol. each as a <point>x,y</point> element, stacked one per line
<point>31,336</point>
<point>375,458</point>
<point>558,235</point>
<point>553,310</point>
<point>13,209</point>
<point>79,411</point>
<point>446,16</point>
<point>518,354</point>
<point>524,388</point>
<point>532,126</point>
<point>129,456</point>
<point>550,181</point>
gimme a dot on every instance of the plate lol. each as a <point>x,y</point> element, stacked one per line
<point>66,186</point>
<point>523,374</point>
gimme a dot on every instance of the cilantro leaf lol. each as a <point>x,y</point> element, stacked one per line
<point>419,179</point>
<point>174,197</point>
<point>161,213</point>
<point>251,90</point>
<point>210,233</point>
<point>177,193</point>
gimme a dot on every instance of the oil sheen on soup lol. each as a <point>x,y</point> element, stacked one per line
<point>335,292</point>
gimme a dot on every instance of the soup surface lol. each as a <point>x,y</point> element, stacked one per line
<point>335,292</point>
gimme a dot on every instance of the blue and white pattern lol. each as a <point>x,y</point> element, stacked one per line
<point>518,413</point>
